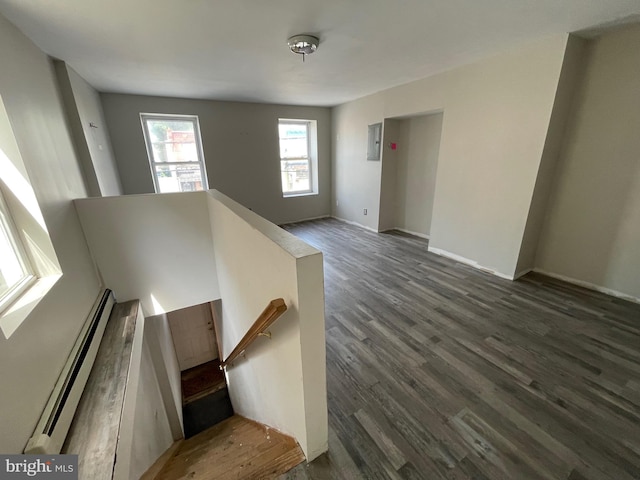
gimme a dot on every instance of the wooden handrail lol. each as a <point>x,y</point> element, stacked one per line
<point>270,314</point>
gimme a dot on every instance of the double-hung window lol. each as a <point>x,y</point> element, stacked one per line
<point>175,152</point>
<point>297,152</point>
<point>15,269</point>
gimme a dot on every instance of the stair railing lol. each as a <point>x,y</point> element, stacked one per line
<point>270,314</point>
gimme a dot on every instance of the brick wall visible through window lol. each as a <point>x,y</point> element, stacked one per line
<point>175,152</point>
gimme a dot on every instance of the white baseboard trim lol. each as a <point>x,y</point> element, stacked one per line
<point>350,222</point>
<point>410,232</point>
<point>588,285</point>
<point>467,261</point>
<point>305,220</point>
<point>522,273</point>
<point>474,264</point>
<point>404,230</point>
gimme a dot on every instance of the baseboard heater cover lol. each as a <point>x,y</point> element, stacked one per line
<point>57,416</point>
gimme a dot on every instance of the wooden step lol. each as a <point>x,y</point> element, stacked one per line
<point>202,380</point>
<point>235,448</point>
<point>204,413</point>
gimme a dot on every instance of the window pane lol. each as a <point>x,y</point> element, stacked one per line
<point>11,270</point>
<point>175,152</point>
<point>179,178</point>
<point>172,140</point>
<point>293,140</point>
<point>295,176</point>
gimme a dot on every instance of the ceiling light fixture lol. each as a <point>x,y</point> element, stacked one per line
<point>303,44</point>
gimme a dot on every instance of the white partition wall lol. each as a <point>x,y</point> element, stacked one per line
<point>591,230</point>
<point>496,115</point>
<point>155,248</point>
<point>282,380</point>
<point>176,250</point>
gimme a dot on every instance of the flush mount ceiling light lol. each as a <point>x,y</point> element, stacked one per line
<point>303,44</point>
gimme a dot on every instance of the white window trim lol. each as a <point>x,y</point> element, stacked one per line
<point>17,291</point>
<point>29,234</point>
<point>198,139</point>
<point>312,156</point>
<point>16,242</point>
<point>20,301</point>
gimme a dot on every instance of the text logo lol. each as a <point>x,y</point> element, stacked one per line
<point>52,467</point>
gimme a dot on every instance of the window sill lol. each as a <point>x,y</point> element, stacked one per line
<point>301,194</point>
<point>13,316</point>
<point>17,291</point>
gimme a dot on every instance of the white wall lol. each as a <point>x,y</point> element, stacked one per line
<point>91,139</point>
<point>34,355</point>
<point>145,430</point>
<point>282,381</point>
<point>310,284</point>
<point>355,180</point>
<point>418,146</point>
<point>563,107</point>
<point>163,354</point>
<point>240,142</point>
<point>592,230</point>
<point>152,433</point>
<point>155,248</point>
<point>496,116</point>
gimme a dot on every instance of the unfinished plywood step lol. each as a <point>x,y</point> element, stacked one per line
<point>236,448</point>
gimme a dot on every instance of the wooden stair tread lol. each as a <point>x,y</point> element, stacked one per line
<point>202,380</point>
<point>235,448</point>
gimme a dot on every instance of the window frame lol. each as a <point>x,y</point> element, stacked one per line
<point>144,117</point>
<point>310,126</point>
<point>28,231</point>
<point>8,226</point>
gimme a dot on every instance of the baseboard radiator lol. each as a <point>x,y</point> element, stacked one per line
<point>56,418</point>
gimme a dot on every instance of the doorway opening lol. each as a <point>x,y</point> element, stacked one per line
<point>411,146</point>
<point>205,397</point>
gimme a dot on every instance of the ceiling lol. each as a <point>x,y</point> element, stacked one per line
<point>236,49</point>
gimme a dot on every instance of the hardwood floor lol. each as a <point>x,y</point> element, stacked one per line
<point>436,370</point>
<point>237,448</point>
<point>202,380</point>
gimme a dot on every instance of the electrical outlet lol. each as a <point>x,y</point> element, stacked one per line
<point>364,211</point>
<point>337,203</point>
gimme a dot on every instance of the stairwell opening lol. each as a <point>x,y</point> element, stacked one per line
<point>205,397</point>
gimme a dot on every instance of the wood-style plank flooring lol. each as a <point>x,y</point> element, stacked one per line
<point>436,370</point>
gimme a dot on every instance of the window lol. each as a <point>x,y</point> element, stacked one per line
<point>29,267</point>
<point>298,166</point>
<point>15,271</point>
<point>175,152</point>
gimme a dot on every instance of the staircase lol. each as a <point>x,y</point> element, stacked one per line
<point>219,444</point>
<point>205,398</point>
<point>236,448</point>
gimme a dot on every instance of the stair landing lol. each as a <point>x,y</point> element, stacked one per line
<point>235,448</point>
